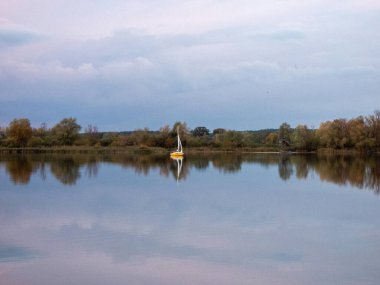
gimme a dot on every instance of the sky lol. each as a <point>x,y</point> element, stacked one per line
<point>243,64</point>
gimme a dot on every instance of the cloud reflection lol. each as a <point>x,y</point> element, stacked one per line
<point>127,223</point>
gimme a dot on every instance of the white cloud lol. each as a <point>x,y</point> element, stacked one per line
<point>126,68</point>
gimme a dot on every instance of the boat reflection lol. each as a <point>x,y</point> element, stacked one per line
<point>179,161</point>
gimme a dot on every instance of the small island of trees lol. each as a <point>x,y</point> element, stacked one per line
<point>359,134</point>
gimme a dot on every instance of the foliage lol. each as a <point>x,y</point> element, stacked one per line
<point>361,133</point>
<point>200,132</point>
<point>302,138</point>
<point>92,135</point>
<point>271,139</point>
<point>19,132</point>
<point>284,132</point>
<point>218,131</point>
<point>66,131</point>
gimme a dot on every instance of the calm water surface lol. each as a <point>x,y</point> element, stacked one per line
<point>220,219</point>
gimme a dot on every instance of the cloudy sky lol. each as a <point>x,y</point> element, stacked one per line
<point>243,64</point>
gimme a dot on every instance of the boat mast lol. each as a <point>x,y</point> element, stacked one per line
<point>178,141</point>
<point>179,144</point>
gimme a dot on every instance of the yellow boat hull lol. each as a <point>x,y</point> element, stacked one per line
<point>177,154</point>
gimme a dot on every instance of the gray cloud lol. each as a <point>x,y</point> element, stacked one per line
<point>11,253</point>
<point>282,35</point>
<point>16,37</point>
<point>253,73</point>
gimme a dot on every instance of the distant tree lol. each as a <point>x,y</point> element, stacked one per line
<point>41,131</point>
<point>163,138</point>
<point>200,131</point>
<point>271,139</point>
<point>324,134</point>
<point>40,136</point>
<point>183,132</point>
<point>301,137</point>
<point>182,127</point>
<point>165,129</point>
<point>20,132</point>
<point>334,134</point>
<point>218,131</point>
<point>2,135</point>
<point>142,137</point>
<point>107,139</point>
<point>92,135</point>
<point>232,139</point>
<point>357,132</point>
<point>66,131</point>
<point>373,128</point>
<point>284,132</point>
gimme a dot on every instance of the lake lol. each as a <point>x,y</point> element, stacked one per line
<point>207,219</point>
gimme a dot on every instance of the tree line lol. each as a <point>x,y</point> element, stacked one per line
<point>360,133</point>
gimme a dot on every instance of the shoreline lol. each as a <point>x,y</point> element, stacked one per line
<point>157,150</point>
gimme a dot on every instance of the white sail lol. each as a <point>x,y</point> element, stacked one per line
<point>179,148</point>
<point>178,152</point>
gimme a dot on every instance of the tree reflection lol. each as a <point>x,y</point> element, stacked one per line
<point>19,169</point>
<point>227,163</point>
<point>66,170</point>
<point>92,167</point>
<point>360,172</point>
<point>285,167</point>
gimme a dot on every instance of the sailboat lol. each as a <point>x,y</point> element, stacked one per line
<point>178,152</point>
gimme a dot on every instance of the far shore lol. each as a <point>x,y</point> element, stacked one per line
<point>158,150</point>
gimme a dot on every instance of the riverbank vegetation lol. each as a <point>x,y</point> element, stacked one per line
<point>358,134</point>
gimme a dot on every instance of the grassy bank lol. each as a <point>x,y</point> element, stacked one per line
<point>130,149</point>
<point>159,150</point>
<point>82,149</point>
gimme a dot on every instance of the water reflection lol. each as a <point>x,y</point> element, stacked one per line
<point>179,161</point>
<point>358,171</point>
<point>236,219</point>
<point>20,169</point>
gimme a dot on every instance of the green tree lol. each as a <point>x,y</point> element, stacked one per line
<point>2,135</point>
<point>66,131</point>
<point>182,127</point>
<point>284,132</point>
<point>373,129</point>
<point>301,137</point>
<point>183,132</point>
<point>232,139</point>
<point>40,136</point>
<point>200,132</point>
<point>92,135</point>
<point>107,139</point>
<point>142,137</point>
<point>218,131</point>
<point>20,132</point>
<point>271,139</point>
